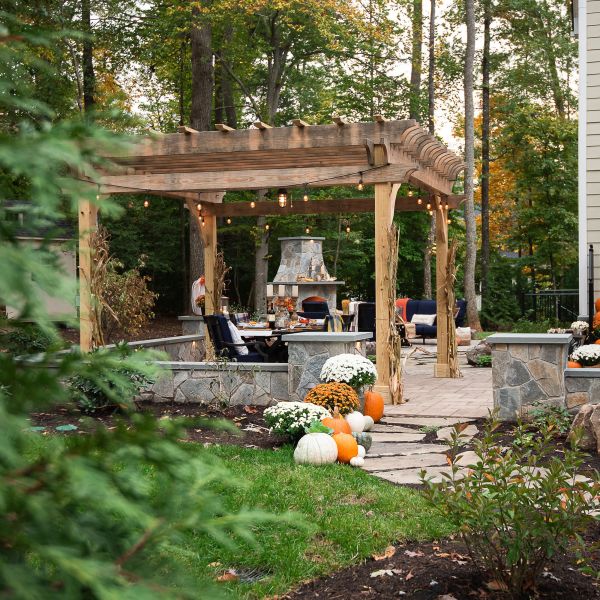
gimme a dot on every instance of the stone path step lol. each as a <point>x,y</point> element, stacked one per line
<point>397,437</point>
<point>404,449</point>
<point>384,427</point>
<point>445,434</point>
<point>395,463</point>
<point>423,421</point>
<point>413,476</point>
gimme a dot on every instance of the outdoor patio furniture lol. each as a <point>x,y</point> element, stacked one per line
<point>429,307</point>
<point>365,318</point>
<point>258,351</point>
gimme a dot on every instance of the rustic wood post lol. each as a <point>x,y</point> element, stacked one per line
<point>384,215</point>
<point>88,224</point>
<point>442,368</point>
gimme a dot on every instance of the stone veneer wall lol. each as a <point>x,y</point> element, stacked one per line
<point>527,369</point>
<point>309,351</point>
<point>582,387</point>
<point>183,347</point>
<point>227,383</point>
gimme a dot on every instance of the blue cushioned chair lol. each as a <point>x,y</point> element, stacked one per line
<point>429,307</point>
<point>219,333</point>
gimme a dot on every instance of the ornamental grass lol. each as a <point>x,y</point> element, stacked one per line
<point>332,395</point>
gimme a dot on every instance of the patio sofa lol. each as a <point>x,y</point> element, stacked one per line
<point>428,307</point>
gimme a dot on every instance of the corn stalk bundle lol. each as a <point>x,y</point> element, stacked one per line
<point>394,343</point>
<point>448,290</point>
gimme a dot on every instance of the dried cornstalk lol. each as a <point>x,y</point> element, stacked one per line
<point>100,258</point>
<point>221,270</point>
<point>394,343</point>
<point>448,290</point>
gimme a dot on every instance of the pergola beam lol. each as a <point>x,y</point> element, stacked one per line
<point>317,207</point>
<point>257,179</point>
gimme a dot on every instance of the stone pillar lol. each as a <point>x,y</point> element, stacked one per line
<point>308,351</point>
<point>528,368</point>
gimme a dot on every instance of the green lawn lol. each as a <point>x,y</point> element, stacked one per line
<point>349,515</point>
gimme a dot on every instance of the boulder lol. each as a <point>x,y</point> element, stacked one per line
<point>483,348</point>
<point>589,425</point>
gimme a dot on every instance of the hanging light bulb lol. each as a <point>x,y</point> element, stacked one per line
<point>282,197</point>
<point>429,206</point>
<point>448,221</point>
<point>307,230</point>
<point>199,206</point>
<point>410,193</point>
<point>202,221</point>
<point>252,204</point>
<point>347,228</point>
<point>430,213</point>
<point>419,201</point>
<point>446,206</point>
<point>228,220</point>
<point>361,186</point>
<point>267,227</point>
<point>305,196</point>
<point>146,203</point>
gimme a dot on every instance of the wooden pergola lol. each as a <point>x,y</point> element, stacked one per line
<point>201,166</point>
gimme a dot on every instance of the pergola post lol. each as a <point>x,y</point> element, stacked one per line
<point>88,224</point>
<point>442,368</point>
<point>208,229</point>
<point>384,215</point>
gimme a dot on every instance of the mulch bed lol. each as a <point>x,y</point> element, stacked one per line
<point>251,431</point>
<point>442,571</point>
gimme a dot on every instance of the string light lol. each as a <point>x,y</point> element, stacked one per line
<point>199,206</point>
<point>267,227</point>
<point>146,203</point>
<point>429,206</point>
<point>305,196</point>
<point>446,206</point>
<point>430,213</point>
<point>202,221</point>
<point>419,201</point>
<point>360,187</point>
<point>252,204</point>
<point>448,221</point>
<point>307,230</point>
<point>228,220</point>
<point>410,193</point>
<point>282,197</point>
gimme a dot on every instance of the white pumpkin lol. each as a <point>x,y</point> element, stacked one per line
<point>368,423</point>
<point>316,449</point>
<point>356,420</point>
<point>361,451</point>
<point>357,461</point>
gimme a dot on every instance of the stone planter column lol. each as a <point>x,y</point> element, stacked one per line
<point>308,351</point>
<point>528,368</point>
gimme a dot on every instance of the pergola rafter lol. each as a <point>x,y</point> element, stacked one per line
<point>202,166</point>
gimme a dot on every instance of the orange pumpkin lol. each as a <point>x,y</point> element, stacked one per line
<point>373,405</point>
<point>573,364</point>
<point>597,342</point>
<point>347,447</point>
<point>337,423</point>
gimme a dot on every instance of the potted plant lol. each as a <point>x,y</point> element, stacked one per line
<point>587,355</point>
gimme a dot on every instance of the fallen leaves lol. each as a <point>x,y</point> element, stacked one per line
<point>385,572</point>
<point>496,586</point>
<point>412,554</point>
<point>387,553</point>
<point>251,410</point>
<point>227,576</point>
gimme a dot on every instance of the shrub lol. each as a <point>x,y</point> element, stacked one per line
<point>291,418</point>
<point>96,392</point>
<point>26,338</point>
<point>484,360</point>
<point>517,507</point>
<point>544,415</point>
<point>332,395</point>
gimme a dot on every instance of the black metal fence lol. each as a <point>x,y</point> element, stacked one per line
<point>560,306</point>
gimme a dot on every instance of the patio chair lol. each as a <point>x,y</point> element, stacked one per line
<point>365,319</point>
<point>218,330</point>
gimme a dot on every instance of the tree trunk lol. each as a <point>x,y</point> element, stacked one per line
<point>89,77</point>
<point>200,119</point>
<point>261,266</point>
<point>416,58</point>
<point>427,283</point>
<point>225,111</point>
<point>485,152</point>
<point>431,75</point>
<point>202,73</point>
<point>471,229</point>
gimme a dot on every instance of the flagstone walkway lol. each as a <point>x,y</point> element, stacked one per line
<point>398,453</point>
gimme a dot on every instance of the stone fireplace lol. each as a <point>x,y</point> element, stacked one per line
<point>302,265</point>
